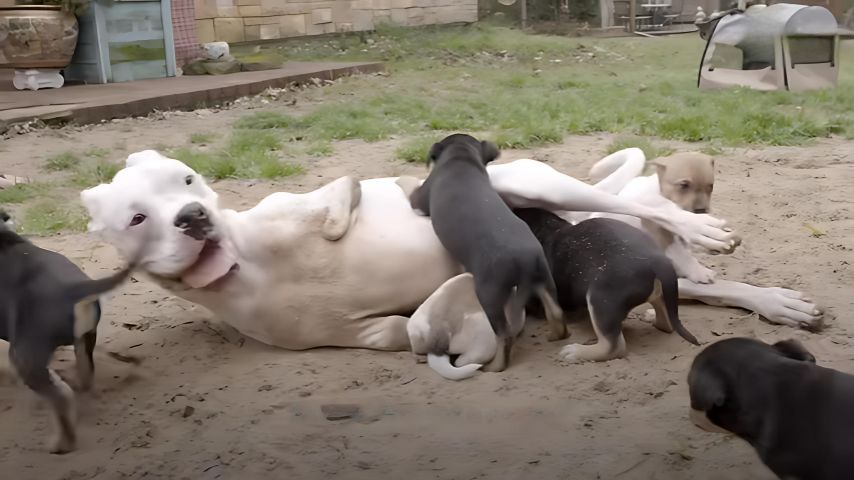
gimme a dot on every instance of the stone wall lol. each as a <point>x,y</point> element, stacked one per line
<point>248,20</point>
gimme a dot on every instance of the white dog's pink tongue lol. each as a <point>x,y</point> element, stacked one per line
<point>214,263</point>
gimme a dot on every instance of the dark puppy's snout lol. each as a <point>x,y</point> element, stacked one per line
<point>194,220</point>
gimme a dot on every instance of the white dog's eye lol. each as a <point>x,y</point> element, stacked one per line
<point>188,180</point>
<point>137,219</point>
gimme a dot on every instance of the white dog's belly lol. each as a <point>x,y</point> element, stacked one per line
<point>328,293</point>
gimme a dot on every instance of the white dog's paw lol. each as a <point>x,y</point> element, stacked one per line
<point>788,307</point>
<point>573,353</point>
<point>706,231</point>
<point>698,274</point>
<point>649,315</point>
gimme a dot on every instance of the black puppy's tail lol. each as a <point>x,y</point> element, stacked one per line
<point>666,276</point>
<point>86,289</point>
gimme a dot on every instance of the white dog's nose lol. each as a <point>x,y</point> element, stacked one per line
<point>194,220</point>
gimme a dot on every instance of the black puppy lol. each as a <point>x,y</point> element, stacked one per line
<point>797,415</point>
<point>606,268</point>
<point>481,232</point>
<point>46,302</point>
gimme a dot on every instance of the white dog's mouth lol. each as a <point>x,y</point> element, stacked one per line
<point>215,261</point>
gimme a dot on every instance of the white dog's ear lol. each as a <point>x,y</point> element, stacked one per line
<point>137,158</point>
<point>93,200</point>
<point>346,195</point>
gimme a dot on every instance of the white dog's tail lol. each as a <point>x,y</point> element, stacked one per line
<point>442,365</point>
<point>613,172</point>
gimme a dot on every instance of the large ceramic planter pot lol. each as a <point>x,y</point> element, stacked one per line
<point>36,37</point>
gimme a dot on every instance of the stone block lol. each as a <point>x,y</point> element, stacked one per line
<point>342,12</point>
<point>398,16</point>
<point>250,11</point>
<point>248,2</point>
<point>270,32</point>
<point>278,7</point>
<point>402,3</point>
<point>252,32</point>
<point>204,8</point>
<point>312,28</point>
<point>382,5</point>
<point>205,31</point>
<point>229,30</point>
<point>321,15</point>
<point>262,20</point>
<point>230,11</point>
<point>345,27</point>
<point>361,4</point>
<point>363,20</point>
<point>330,28</point>
<point>292,25</point>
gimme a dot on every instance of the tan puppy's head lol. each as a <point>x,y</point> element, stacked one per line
<point>687,179</point>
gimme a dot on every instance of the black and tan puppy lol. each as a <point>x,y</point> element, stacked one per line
<point>606,268</point>
<point>46,302</point>
<point>480,232</point>
<point>797,415</point>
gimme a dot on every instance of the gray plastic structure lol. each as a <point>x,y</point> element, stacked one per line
<point>777,47</point>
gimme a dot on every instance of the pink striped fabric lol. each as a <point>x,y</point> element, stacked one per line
<point>184,30</point>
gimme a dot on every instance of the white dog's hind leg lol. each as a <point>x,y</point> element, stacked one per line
<point>529,183</point>
<point>382,333</point>
<point>778,305</point>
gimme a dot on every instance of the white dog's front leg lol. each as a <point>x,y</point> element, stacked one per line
<point>778,305</point>
<point>686,265</point>
<point>529,183</point>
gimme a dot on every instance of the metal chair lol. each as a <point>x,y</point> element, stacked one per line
<point>622,12</point>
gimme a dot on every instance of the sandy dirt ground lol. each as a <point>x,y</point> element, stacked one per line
<point>204,405</point>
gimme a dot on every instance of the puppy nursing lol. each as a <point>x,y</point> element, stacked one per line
<point>606,268</point>
<point>46,302</point>
<point>481,233</point>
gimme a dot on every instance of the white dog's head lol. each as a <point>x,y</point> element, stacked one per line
<point>180,214</point>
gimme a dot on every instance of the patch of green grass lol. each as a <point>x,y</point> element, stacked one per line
<point>248,154</point>
<point>265,120</point>
<point>62,162</point>
<point>415,150</point>
<point>95,173</point>
<point>202,138</point>
<point>21,192</point>
<point>536,89</point>
<point>50,217</point>
<point>97,153</point>
<point>650,150</point>
<point>319,148</point>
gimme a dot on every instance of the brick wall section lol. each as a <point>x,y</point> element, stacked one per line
<point>248,20</point>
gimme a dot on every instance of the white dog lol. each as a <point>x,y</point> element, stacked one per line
<point>621,172</point>
<point>338,266</point>
<point>451,321</point>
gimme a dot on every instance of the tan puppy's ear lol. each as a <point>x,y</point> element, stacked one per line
<point>346,195</point>
<point>660,166</point>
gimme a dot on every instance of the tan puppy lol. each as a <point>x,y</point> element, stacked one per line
<point>687,179</point>
<point>684,180</point>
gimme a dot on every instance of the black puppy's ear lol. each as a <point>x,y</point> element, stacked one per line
<point>435,151</point>
<point>488,151</point>
<point>706,390</point>
<point>795,350</point>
